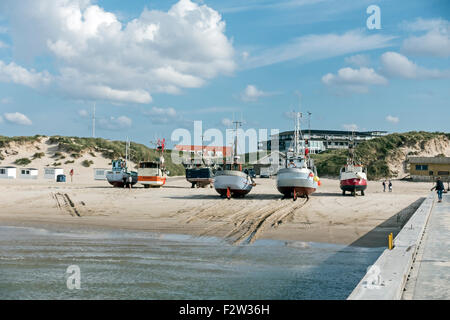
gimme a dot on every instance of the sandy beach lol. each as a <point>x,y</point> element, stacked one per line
<point>327,217</point>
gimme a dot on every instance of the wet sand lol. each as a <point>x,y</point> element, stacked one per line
<point>327,217</point>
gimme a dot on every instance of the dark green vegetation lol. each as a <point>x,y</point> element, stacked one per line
<point>87,163</point>
<point>5,141</point>
<point>375,154</point>
<point>76,146</point>
<point>22,161</point>
<point>38,155</point>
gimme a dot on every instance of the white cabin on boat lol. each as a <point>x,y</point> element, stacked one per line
<point>28,173</point>
<point>52,173</point>
<point>8,172</point>
<point>100,173</point>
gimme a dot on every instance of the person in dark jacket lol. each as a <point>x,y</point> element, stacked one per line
<point>439,188</point>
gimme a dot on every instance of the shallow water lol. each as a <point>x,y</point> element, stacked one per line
<point>142,265</point>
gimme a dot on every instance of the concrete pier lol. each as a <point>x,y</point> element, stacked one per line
<point>418,267</point>
<point>430,274</point>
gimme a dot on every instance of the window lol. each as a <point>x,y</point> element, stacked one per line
<point>443,173</point>
<point>430,173</point>
<point>2,171</point>
<point>421,167</point>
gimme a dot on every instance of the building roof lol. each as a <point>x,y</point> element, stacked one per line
<point>28,169</point>
<point>224,150</point>
<point>338,132</point>
<point>8,167</point>
<point>429,160</point>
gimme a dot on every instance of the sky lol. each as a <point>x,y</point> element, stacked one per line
<point>151,67</point>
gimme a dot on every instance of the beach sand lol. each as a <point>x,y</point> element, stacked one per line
<point>327,217</point>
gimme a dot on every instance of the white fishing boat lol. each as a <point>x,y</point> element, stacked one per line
<point>299,178</point>
<point>231,181</point>
<point>353,176</point>
<point>119,175</point>
<point>153,173</point>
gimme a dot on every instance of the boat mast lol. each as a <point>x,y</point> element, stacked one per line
<point>237,123</point>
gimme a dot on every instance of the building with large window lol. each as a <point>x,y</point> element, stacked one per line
<point>321,140</point>
<point>429,168</point>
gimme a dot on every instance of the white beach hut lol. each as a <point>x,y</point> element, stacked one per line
<point>52,173</point>
<point>8,172</point>
<point>100,173</point>
<point>28,173</point>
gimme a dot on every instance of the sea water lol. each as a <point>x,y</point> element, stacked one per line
<point>117,264</point>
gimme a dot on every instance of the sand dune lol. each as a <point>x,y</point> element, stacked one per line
<point>326,217</point>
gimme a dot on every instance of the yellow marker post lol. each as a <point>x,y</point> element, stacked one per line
<point>391,241</point>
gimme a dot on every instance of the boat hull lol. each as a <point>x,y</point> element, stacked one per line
<point>353,184</point>
<point>200,176</point>
<point>152,181</point>
<point>119,179</point>
<point>237,182</point>
<point>296,182</point>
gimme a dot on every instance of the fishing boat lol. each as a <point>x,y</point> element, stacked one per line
<point>153,173</point>
<point>199,173</point>
<point>353,176</point>
<point>230,180</point>
<point>119,175</point>
<point>299,177</point>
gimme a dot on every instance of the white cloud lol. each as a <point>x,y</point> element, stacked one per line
<point>392,119</point>
<point>317,47</point>
<point>397,65</point>
<point>83,113</point>
<point>354,80</point>
<point>113,123</point>
<point>252,93</point>
<point>100,57</point>
<point>358,60</point>
<point>350,127</point>
<point>16,74</point>
<point>227,122</point>
<point>163,115</point>
<point>6,100</point>
<point>435,42</point>
<point>17,118</point>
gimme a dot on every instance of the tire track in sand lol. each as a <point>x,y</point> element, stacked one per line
<point>249,223</point>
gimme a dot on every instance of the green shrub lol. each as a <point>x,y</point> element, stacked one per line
<point>22,161</point>
<point>69,161</point>
<point>38,155</point>
<point>87,163</point>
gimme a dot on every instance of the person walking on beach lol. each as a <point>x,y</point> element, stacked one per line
<point>71,175</point>
<point>130,181</point>
<point>384,185</point>
<point>439,188</point>
<point>390,186</point>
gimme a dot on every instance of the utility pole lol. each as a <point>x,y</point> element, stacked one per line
<point>93,123</point>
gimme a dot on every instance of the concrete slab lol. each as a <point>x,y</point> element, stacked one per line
<point>433,264</point>
<point>386,278</point>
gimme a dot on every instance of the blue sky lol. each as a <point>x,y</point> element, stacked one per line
<point>154,66</point>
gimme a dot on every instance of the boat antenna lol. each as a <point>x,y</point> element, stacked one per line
<point>237,124</point>
<point>203,161</point>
